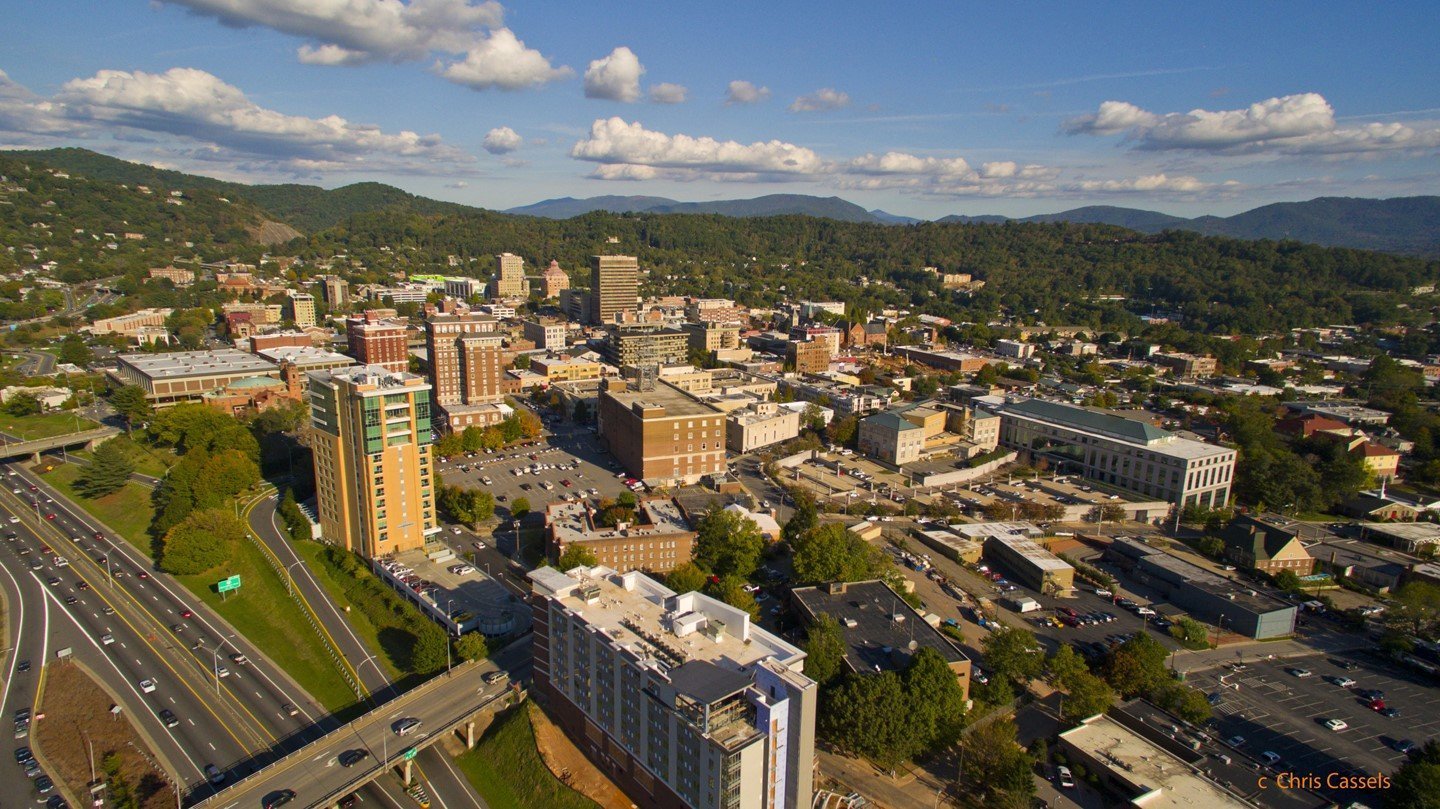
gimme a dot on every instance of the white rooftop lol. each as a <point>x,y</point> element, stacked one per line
<point>1159,780</point>
<point>637,612</point>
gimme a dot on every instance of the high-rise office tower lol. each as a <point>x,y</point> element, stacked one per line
<point>371,441</point>
<point>509,279</point>
<point>465,366</point>
<point>335,291</point>
<point>302,309</point>
<point>614,286</point>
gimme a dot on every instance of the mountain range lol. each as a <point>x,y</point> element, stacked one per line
<point>1409,225</point>
<point>1399,225</point>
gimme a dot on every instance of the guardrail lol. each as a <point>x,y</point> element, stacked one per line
<point>409,697</point>
<point>10,449</point>
<point>305,609</point>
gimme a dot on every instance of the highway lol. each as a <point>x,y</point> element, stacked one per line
<point>315,773</point>
<point>42,624</point>
<point>240,729</point>
<point>239,720</point>
<point>447,786</point>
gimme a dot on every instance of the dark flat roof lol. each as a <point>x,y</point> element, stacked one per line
<point>705,682</point>
<point>872,606</point>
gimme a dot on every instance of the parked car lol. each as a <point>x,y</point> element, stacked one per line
<point>1062,775</point>
<point>1336,725</point>
<point>1295,671</point>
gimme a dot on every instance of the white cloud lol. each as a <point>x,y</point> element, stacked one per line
<point>744,92</point>
<point>667,93</point>
<point>615,77</point>
<point>826,98</point>
<point>26,115</point>
<point>502,140</point>
<point>613,142</point>
<point>896,163</point>
<point>502,61</point>
<point>1146,183</point>
<point>357,31</point>
<point>227,126</point>
<point>630,152</point>
<point>1302,124</point>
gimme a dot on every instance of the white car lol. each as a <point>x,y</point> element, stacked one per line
<point>107,638</point>
<point>148,686</point>
<point>1062,774</point>
<point>222,671</point>
<point>1336,725</point>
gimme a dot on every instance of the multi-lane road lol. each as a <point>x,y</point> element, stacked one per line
<point>446,785</point>
<point>239,723</point>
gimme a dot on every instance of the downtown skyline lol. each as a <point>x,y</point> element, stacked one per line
<point>945,109</point>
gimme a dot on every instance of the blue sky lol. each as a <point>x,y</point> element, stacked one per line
<point>923,109</point>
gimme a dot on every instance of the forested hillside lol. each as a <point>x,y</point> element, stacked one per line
<point>1096,275</point>
<point>1057,273</point>
<point>80,223</point>
<point>306,207</point>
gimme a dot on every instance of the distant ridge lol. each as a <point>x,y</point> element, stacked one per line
<point>770,205</point>
<point>1399,225</point>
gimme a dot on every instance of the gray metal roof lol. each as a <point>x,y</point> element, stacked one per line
<point>1133,431</point>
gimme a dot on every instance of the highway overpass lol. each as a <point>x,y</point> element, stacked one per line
<point>448,703</point>
<point>88,438</point>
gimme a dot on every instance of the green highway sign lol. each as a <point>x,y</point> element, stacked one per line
<point>409,754</point>
<point>226,585</point>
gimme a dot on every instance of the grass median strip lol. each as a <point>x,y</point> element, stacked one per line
<point>340,584</point>
<point>264,613</point>
<point>389,626</point>
<point>127,511</point>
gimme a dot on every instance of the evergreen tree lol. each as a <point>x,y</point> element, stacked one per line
<point>109,470</point>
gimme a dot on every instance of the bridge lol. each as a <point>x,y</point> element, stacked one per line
<point>449,703</point>
<point>89,438</point>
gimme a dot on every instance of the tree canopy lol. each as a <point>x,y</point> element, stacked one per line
<point>202,541</point>
<point>728,543</point>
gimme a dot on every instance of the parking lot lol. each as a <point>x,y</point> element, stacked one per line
<point>1274,710</point>
<point>1090,637</point>
<point>571,454</point>
<point>456,594</point>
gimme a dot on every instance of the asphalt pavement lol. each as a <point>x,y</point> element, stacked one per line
<point>241,720</point>
<point>447,786</point>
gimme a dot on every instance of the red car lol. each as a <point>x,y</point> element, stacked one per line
<point>186,614</point>
<point>99,535</point>
<point>50,515</point>
<point>142,574</point>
